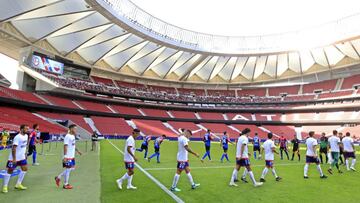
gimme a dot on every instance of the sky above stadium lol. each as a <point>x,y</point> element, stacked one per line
<point>248,17</point>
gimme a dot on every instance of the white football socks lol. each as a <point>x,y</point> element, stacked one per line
<point>252,177</point>
<point>274,172</point>
<point>6,179</point>
<point>234,175</point>
<point>21,177</point>
<point>67,176</point>
<point>306,168</point>
<point>130,180</point>
<point>125,177</point>
<point>190,178</point>
<point>319,169</point>
<point>62,174</point>
<point>176,180</point>
<point>245,173</point>
<point>353,163</point>
<point>265,171</point>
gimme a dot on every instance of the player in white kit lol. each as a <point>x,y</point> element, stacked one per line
<point>69,157</point>
<point>349,151</point>
<point>311,156</point>
<point>17,157</point>
<point>334,143</point>
<point>183,160</point>
<point>268,148</point>
<point>242,159</point>
<point>129,159</point>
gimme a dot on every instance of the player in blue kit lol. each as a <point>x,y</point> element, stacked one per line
<point>225,140</point>
<point>32,143</point>
<point>144,145</point>
<point>157,144</point>
<point>207,140</point>
<point>256,145</point>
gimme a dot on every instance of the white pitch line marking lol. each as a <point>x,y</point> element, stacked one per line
<point>215,167</point>
<point>165,189</point>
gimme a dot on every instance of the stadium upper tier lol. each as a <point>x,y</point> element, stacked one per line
<point>336,88</point>
<point>117,37</point>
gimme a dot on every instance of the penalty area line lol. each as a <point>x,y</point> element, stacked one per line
<point>157,182</point>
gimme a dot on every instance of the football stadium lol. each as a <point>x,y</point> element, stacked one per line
<point>179,101</point>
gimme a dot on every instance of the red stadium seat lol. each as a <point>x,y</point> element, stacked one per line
<point>19,116</point>
<point>112,126</point>
<point>153,128</point>
<point>327,85</point>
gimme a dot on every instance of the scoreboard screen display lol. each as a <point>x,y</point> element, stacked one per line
<point>47,64</point>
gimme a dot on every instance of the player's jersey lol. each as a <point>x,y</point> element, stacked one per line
<point>283,142</point>
<point>21,142</point>
<point>242,143</point>
<point>32,138</point>
<point>324,142</point>
<point>158,142</point>
<point>295,143</point>
<point>207,139</point>
<point>334,143</point>
<point>182,154</point>
<point>69,140</point>
<point>146,140</point>
<point>225,141</point>
<point>130,142</point>
<point>348,144</point>
<point>310,143</point>
<point>269,154</point>
<point>256,141</point>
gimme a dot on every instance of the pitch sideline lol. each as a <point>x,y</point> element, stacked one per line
<point>157,182</point>
<point>215,167</point>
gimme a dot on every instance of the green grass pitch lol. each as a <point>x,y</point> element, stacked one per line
<point>94,179</point>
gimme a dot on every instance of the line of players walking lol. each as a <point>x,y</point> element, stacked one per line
<point>333,147</point>
<point>19,153</point>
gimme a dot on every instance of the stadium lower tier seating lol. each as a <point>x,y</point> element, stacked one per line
<point>118,126</point>
<point>211,116</point>
<point>93,106</point>
<point>196,130</point>
<point>58,101</point>
<point>150,127</point>
<point>77,119</point>
<point>125,110</point>
<point>155,112</point>
<point>12,118</point>
<point>20,95</point>
<point>111,126</point>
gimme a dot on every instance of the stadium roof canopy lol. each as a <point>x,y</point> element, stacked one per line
<point>120,37</point>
